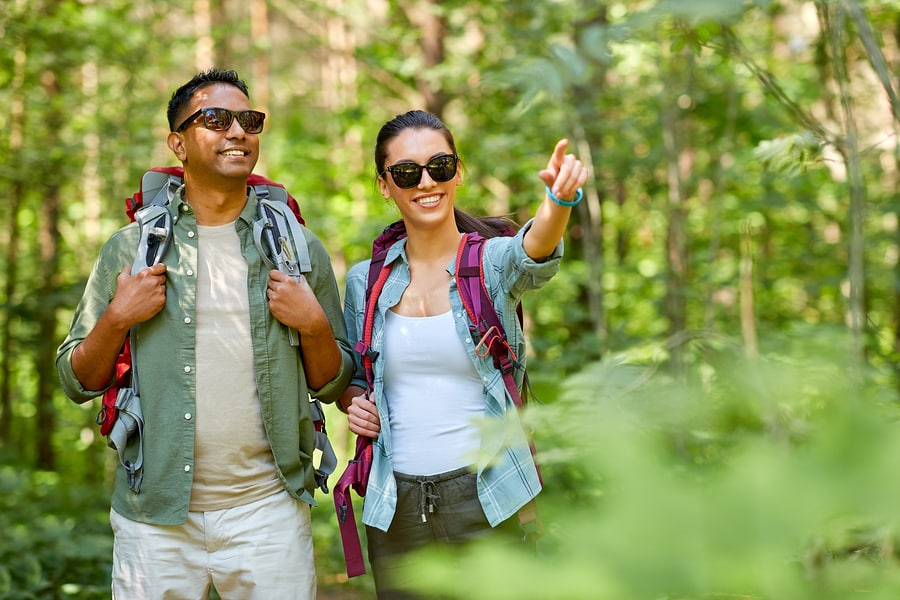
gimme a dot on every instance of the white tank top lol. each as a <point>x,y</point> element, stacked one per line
<point>434,395</point>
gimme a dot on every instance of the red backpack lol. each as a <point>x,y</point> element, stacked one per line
<point>487,328</point>
<point>158,186</point>
<point>155,183</point>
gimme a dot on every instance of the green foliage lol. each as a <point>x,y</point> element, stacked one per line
<point>790,155</point>
<point>54,537</point>
<point>735,84</point>
<point>767,478</point>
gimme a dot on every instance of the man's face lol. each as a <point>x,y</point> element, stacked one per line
<point>206,153</point>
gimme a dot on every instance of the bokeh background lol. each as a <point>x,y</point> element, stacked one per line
<point>716,363</point>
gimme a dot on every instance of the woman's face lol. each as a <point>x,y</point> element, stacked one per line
<point>428,203</point>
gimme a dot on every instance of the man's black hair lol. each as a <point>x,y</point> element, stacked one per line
<point>183,95</point>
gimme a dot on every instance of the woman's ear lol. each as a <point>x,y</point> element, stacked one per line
<point>383,187</point>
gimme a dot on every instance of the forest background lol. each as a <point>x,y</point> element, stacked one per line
<point>717,360</point>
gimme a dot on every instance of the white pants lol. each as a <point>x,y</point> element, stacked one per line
<point>262,550</point>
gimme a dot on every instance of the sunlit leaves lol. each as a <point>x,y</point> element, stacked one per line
<point>768,478</point>
<point>790,155</point>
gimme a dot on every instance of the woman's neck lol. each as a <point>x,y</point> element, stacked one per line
<point>432,245</point>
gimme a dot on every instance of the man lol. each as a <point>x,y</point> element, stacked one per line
<point>228,439</point>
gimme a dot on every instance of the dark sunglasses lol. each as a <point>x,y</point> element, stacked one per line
<point>409,174</point>
<point>220,119</point>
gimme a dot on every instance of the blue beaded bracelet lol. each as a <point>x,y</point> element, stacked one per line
<point>578,196</point>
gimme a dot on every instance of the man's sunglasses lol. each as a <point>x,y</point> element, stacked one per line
<point>408,174</point>
<point>220,119</point>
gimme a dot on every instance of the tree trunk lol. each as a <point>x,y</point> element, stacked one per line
<point>679,162</point>
<point>433,27</point>
<point>590,212</point>
<point>204,48</point>
<point>16,198</point>
<point>260,42</point>
<point>48,276</point>
<point>747,308</point>
<point>896,309</point>
<point>834,17</point>
<point>715,203</point>
<point>47,327</point>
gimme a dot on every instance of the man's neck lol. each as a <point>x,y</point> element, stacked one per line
<point>216,204</point>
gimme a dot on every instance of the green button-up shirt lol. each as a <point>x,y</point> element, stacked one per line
<point>165,354</point>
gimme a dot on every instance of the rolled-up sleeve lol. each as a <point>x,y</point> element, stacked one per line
<point>507,264</point>
<point>98,293</point>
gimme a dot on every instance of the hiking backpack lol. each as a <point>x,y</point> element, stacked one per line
<point>279,239</point>
<point>485,326</point>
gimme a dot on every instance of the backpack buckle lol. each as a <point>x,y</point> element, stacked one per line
<point>494,343</point>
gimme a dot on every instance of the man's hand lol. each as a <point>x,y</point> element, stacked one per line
<point>138,297</point>
<point>295,305</point>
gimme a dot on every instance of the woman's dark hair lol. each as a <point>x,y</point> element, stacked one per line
<point>183,95</point>
<point>419,119</point>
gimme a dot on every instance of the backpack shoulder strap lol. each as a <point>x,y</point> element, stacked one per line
<point>356,474</point>
<point>378,274</point>
<point>364,346</point>
<point>393,232</point>
<point>155,223</point>
<point>277,218</point>
<point>158,186</point>
<point>486,325</point>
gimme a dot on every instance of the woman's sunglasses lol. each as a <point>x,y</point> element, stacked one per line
<point>220,119</point>
<point>409,174</point>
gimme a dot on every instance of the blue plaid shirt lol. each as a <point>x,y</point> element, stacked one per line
<point>507,477</point>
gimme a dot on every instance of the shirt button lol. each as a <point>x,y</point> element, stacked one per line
<point>190,272</point>
<point>187,368</point>
<point>191,234</point>
<point>185,208</point>
<point>187,468</point>
<point>459,315</point>
<point>187,416</point>
<point>187,320</point>
<point>468,340</point>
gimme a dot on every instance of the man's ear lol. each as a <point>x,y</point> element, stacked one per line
<point>175,142</point>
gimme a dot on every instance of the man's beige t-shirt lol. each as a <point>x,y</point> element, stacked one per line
<point>233,460</point>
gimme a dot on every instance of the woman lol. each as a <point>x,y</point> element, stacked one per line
<point>437,475</point>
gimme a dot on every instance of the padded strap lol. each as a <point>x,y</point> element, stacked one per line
<point>355,477</point>
<point>280,241</point>
<point>130,421</point>
<point>328,461</point>
<point>155,223</point>
<point>279,237</point>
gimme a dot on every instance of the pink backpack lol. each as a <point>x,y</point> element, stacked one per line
<point>488,329</point>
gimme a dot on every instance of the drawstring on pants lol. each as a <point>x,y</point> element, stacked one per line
<point>429,496</point>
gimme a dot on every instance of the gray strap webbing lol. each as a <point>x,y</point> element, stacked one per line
<point>129,421</point>
<point>328,461</point>
<point>156,234</point>
<point>155,224</point>
<point>278,236</point>
<point>280,241</point>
